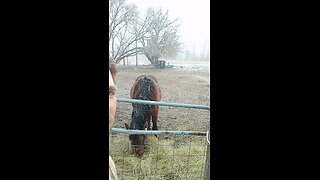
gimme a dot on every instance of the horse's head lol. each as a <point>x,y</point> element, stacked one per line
<point>140,115</point>
<point>137,141</point>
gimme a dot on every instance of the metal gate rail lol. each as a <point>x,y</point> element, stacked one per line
<point>196,133</point>
<point>161,103</point>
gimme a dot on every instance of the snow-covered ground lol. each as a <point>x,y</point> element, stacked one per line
<point>181,64</point>
<point>191,65</point>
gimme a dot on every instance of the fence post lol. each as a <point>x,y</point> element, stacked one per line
<point>206,175</point>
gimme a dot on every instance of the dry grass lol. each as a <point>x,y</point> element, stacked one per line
<point>165,158</point>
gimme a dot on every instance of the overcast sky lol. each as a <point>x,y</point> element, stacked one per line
<point>194,17</point>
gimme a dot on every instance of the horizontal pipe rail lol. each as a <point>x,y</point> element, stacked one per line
<point>161,103</point>
<point>130,131</point>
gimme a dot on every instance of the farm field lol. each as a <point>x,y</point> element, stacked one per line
<point>188,85</point>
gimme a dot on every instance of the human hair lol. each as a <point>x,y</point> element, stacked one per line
<point>112,67</point>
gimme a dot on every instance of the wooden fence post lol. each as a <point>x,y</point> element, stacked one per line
<point>206,175</point>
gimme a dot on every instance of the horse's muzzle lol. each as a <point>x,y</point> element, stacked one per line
<point>139,150</point>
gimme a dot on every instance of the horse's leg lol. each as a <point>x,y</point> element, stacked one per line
<point>148,123</point>
<point>154,114</point>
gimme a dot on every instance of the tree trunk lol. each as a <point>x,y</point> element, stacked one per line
<point>153,61</point>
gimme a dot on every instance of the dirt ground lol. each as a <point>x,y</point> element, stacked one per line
<point>178,85</point>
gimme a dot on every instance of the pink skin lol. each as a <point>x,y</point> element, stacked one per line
<point>139,150</point>
<point>112,101</point>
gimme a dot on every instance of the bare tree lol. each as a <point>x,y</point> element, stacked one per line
<point>125,29</point>
<point>156,34</point>
<point>161,36</point>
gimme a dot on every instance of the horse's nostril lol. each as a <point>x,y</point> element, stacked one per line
<point>139,150</point>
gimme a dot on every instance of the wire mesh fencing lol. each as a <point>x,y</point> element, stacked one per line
<point>171,155</point>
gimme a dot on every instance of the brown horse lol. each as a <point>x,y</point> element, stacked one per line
<point>145,87</point>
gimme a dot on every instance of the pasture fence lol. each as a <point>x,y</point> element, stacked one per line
<point>166,157</point>
<point>161,103</point>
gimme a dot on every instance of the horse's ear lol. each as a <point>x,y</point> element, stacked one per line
<point>126,125</point>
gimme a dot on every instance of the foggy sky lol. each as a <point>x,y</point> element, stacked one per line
<point>194,17</point>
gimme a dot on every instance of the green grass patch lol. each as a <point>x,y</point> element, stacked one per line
<point>164,158</point>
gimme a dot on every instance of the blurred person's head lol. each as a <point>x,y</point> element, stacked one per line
<point>112,91</point>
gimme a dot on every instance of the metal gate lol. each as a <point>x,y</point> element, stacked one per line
<point>189,161</point>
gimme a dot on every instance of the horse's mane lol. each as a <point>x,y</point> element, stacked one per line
<point>146,90</point>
